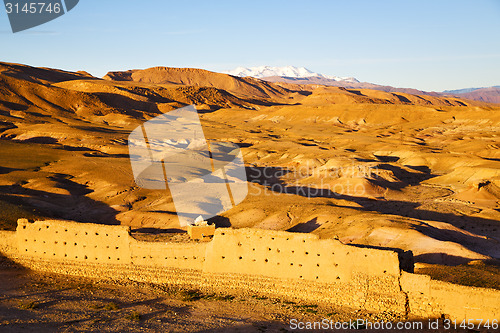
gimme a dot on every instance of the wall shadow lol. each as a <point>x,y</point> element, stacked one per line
<point>75,206</point>
<point>306,227</point>
<point>220,221</point>
<point>156,231</point>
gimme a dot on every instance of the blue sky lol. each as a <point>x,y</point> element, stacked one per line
<point>428,45</point>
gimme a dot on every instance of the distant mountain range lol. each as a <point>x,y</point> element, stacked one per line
<point>302,75</point>
<point>287,71</point>
<point>485,94</point>
<point>466,90</point>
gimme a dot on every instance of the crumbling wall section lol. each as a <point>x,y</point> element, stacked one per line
<point>65,240</point>
<point>292,255</point>
<point>176,255</point>
<point>248,261</point>
<point>430,298</point>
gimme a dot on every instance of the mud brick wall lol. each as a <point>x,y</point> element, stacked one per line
<point>293,266</point>
<point>430,298</point>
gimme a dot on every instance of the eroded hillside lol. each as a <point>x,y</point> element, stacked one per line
<point>419,173</point>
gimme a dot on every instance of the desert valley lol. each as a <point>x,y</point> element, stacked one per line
<point>371,168</point>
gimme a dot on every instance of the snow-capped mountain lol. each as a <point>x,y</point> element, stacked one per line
<point>287,71</point>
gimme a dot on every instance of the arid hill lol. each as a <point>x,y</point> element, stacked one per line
<point>65,93</point>
<point>248,88</point>
<point>286,90</point>
<point>345,84</point>
<point>369,167</point>
<point>489,95</point>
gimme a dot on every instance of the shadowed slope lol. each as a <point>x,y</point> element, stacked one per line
<point>249,88</point>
